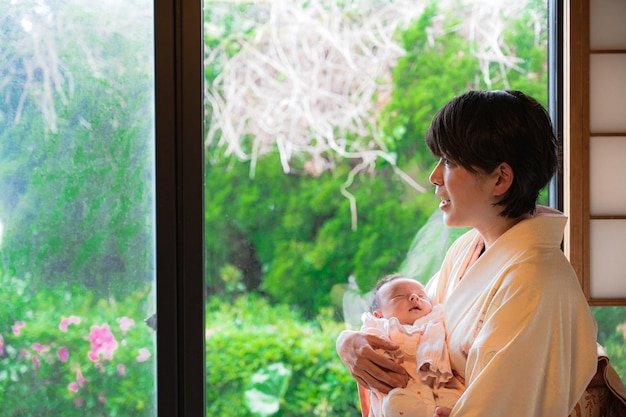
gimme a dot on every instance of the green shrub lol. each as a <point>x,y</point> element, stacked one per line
<point>65,353</point>
<point>249,334</point>
<point>46,367</point>
<point>612,335</point>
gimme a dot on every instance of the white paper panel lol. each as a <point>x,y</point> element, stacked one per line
<point>607,176</point>
<point>608,258</point>
<point>607,95</point>
<point>607,18</point>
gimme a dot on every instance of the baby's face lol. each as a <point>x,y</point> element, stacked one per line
<point>404,299</point>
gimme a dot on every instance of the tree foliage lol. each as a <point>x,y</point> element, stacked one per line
<point>76,146</point>
<point>292,235</point>
<point>300,78</point>
<point>76,134</point>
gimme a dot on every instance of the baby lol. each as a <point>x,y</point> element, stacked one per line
<point>402,312</point>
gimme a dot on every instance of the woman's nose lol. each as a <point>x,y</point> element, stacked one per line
<point>435,176</point>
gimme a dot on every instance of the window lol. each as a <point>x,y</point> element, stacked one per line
<point>77,263</point>
<point>594,137</point>
<point>268,64</point>
<point>595,133</point>
<point>84,218</point>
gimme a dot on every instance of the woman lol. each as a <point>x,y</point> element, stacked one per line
<point>520,333</point>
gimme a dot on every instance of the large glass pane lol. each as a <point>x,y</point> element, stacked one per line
<point>316,174</point>
<point>77,208</point>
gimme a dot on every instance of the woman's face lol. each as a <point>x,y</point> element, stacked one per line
<point>404,299</point>
<point>466,197</point>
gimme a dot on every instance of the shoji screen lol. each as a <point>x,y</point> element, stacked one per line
<point>607,149</point>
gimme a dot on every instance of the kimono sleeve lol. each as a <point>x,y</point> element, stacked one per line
<point>535,352</point>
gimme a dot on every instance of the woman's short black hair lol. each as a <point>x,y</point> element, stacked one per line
<point>478,130</point>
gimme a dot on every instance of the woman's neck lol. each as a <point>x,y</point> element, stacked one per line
<point>491,232</point>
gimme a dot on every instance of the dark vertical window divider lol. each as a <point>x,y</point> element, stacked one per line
<point>555,90</point>
<point>179,208</point>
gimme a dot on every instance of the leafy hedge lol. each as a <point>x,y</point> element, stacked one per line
<point>612,335</point>
<point>248,335</point>
<point>64,352</point>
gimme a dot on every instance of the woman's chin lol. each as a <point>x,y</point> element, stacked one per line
<point>450,221</point>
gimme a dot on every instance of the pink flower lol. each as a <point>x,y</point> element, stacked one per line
<point>125,323</point>
<point>101,398</point>
<point>80,379</point>
<point>17,327</point>
<point>36,362</point>
<point>121,369</point>
<point>66,321</point>
<point>63,354</point>
<point>103,343</point>
<point>79,402</point>
<point>144,355</point>
<point>39,348</point>
<point>72,386</point>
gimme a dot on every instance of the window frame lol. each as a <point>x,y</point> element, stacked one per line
<point>178,54</point>
<point>576,138</point>
<point>179,104</point>
<point>555,90</point>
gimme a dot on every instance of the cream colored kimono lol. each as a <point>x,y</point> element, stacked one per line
<point>520,331</point>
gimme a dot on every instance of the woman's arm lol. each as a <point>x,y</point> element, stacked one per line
<point>536,351</point>
<point>370,368</point>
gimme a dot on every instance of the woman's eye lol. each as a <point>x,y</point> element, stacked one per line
<point>447,162</point>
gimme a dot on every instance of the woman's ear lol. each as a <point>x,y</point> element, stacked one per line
<point>504,179</point>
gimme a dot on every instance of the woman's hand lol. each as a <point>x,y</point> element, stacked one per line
<point>370,368</point>
<point>442,412</point>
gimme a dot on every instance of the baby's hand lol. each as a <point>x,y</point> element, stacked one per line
<point>441,412</point>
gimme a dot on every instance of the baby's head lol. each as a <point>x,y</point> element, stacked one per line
<point>403,298</point>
